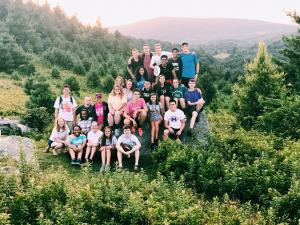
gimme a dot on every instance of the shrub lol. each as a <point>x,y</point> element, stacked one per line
<point>16,76</point>
<point>93,79</point>
<point>107,84</point>
<point>37,118</point>
<point>55,73</point>
<point>60,57</point>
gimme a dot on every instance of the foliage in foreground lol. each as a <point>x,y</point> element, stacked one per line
<point>247,166</point>
<point>113,198</point>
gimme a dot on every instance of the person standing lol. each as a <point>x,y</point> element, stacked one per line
<point>176,62</point>
<point>65,107</point>
<point>190,64</point>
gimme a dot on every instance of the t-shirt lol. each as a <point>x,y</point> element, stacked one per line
<point>156,58</point>
<point>146,94</point>
<point>100,111</point>
<point>178,92</point>
<point>72,139</point>
<point>165,90</point>
<point>140,84</point>
<point>111,142</point>
<point>131,106</point>
<point>167,71</point>
<point>131,141</point>
<point>85,125</point>
<point>192,96</point>
<point>135,64</point>
<point>65,108</point>
<point>154,111</point>
<point>177,65</point>
<point>189,61</point>
<point>61,134</point>
<point>174,118</point>
<point>129,94</point>
<point>146,63</point>
<point>116,101</point>
<point>94,137</point>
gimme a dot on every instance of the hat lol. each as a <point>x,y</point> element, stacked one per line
<point>98,95</point>
<point>156,71</point>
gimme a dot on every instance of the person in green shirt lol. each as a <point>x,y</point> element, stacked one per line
<point>177,91</point>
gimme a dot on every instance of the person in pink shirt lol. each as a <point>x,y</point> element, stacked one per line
<point>101,111</point>
<point>136,112</point>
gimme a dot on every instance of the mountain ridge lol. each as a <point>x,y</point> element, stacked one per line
<point>203,30</point>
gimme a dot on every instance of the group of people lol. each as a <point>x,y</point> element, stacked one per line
<point>160,87</point>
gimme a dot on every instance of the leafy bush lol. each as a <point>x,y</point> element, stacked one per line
<point>107,84</point>
<point>12,55</point>
<point>116,198</point>
<point>60,57</point>
<point>55,73</point>
<point>16,76</point>
<point>72,81</point>
<point>93,79</point>
<point>37,118</point>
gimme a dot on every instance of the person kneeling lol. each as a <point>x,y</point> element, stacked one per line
<point>76,142</point>
<point>174,121</point>
<point>128,144</point>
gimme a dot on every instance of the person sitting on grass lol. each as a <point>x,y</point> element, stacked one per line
<point>136,112</point>
<point>174,120</point>
<point>108,143</point>
<point>195,102</point>
<point>177,92</point>
<point>58,136</point>
<point>162,89</point>
<point>93,139</point>
<point>126,145</point>
<point>76,143</point>
<point>140,77</point>
<point>155,111</point>
<point>128,90</point>
<point>85,121</point>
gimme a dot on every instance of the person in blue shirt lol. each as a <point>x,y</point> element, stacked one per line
<point>76,143</point>
<point>140,77</point>
<point>195,102</point>
<point>190,64</point>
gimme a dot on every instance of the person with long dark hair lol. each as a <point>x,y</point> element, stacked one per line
<point>140,77</point>
<point>108,143</point>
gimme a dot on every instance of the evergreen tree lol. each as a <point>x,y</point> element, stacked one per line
<point>259,91</point>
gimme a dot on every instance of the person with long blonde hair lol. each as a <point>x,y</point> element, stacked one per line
<point>58,136</point>
<point>116,103</point>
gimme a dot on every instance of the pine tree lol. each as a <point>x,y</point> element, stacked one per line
<point>260,90</point>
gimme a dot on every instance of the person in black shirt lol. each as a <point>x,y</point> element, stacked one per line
<point>176,62</point>
<point>134,62</point>
<point>87,106</point>
<point>146,91</point>
<point>167,69</point>
<point>162,90</point>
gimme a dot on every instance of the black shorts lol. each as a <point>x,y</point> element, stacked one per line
<point>174,135</point>
<point>190,109</point>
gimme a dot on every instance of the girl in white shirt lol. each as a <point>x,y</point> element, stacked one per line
<point>93,139</point>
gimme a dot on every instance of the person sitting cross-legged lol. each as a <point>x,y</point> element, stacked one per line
<point>136,112</point>
<point>174,121</point>
<point>195,102</point>
<point>126,145</point>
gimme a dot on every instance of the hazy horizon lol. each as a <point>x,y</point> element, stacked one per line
<point>132,11</point>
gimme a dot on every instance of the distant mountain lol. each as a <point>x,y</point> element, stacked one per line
<point>204,31</point>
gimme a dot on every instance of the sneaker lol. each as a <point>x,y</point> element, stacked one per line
<point>90,161</point>
<point>73,162</point>
<point>119,168</point>
<point>140,131</point>
<point>136,168</point>
<point>117,132</point>
<point>54,152</point>
<point>107,168</point>
<point>78,162</point>
<point>102,168</point>
<point>152,146</point>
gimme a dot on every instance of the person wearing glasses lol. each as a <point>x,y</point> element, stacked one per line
<point>136,112</point>
<point>174,121</point>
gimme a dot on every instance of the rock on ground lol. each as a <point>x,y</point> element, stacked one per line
<point>12,145</point>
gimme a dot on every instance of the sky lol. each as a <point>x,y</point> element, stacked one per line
<point>120,12</point>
